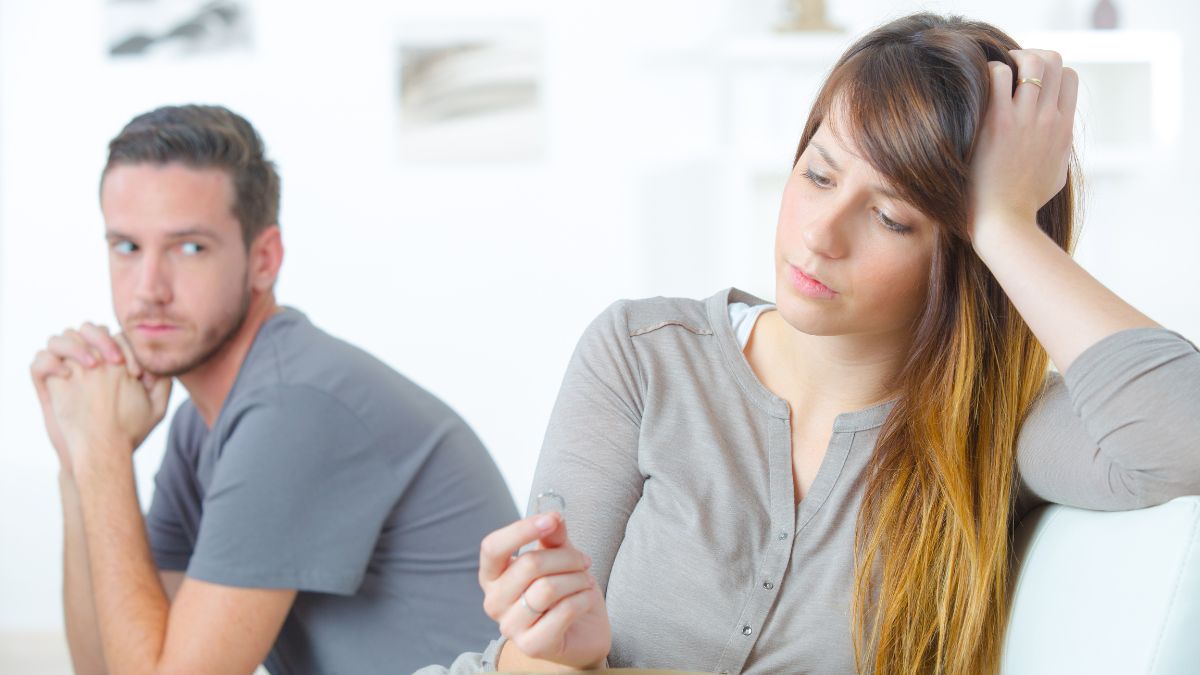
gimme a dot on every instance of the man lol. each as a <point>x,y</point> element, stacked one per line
<point>315,511</point>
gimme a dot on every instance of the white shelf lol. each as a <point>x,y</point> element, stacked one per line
<point>1130,104</point>
<point>1078,46</point>
<point>820,49</point>
<point>1107,46</point>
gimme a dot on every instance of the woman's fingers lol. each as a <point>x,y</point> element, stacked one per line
<point>1068,95</point>
<point>496,549</point>
<point>1030,66</point>
<point>524,573</point>
<point>540,598</point>
<point>545,592</point>
<point>1051,79</point>
<point>546,636</point>
<point>1002,79</point>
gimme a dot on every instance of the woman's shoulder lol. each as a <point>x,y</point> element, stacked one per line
<point>637,317</point>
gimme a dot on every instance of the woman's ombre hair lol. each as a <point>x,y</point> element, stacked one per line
<point>932,545</point>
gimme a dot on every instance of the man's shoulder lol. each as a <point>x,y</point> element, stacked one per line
<point>306,371</point>
<point>186,425</point>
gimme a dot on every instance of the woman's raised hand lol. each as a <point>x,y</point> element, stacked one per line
<point>1024,146</point>
<point>546,602</point>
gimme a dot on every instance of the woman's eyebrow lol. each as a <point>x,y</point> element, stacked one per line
<point>825,155</point>
<point>879,189</point>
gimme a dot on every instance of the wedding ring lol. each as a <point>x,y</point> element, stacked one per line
<point>1030,80</point>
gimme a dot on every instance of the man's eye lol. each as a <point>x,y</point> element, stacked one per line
<point>124,247</point>
<point>191,248</point>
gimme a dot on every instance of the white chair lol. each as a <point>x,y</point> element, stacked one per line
<point>1101,593</point>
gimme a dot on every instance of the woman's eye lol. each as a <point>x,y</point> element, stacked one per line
<point>191,248</point>
<point>899,228</point>
<point>816,178</point>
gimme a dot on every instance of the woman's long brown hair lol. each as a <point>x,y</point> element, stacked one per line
<point>933,537</point>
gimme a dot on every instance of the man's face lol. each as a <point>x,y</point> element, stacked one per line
<point>177,262</point>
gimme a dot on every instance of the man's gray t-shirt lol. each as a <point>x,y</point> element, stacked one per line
<point>328,472</point>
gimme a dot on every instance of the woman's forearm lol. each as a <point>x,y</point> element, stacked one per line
<point>1066,308</point>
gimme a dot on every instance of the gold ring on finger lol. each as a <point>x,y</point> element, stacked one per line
<point>1030,80</point>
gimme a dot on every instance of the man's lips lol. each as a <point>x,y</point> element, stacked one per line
<point>155,327</point>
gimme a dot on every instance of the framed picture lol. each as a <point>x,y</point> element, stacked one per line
<point>470,93</point>
<point>176,28</point>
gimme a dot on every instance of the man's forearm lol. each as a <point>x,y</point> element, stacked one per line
<point>131,606</point>
<point>79,611</point>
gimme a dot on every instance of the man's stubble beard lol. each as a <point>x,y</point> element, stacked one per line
<point>221,334</point>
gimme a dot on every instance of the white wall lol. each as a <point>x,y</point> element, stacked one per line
<point>473,280</point>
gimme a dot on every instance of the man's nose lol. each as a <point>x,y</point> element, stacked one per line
<point>153,283</point>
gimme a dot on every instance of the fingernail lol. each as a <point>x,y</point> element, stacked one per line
<point>543,523</point>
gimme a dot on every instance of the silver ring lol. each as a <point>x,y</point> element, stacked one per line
<point>525,604</point>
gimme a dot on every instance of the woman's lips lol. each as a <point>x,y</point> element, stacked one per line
<point>808,286</point>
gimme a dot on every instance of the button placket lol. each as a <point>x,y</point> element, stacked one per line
<point>776,550</point>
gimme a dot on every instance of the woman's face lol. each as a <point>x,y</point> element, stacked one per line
<point>851,258</point>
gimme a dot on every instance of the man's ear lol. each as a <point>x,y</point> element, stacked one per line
<point>265,259</point>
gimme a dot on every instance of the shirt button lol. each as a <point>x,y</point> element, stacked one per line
<point>783,535</point>
<point>768,585</point>
<point>747,630</point>
<point>724,672</point>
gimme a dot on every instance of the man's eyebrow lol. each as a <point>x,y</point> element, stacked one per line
<point>186,233</point>
<point>190,232</point>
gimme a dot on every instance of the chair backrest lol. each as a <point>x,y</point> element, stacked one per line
<point>1099,592</point>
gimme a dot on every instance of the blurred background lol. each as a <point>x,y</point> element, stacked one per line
<point>467,183</point>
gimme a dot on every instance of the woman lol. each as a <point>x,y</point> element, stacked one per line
<point>830,484</point>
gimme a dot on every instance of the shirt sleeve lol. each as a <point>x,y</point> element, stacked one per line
<point>469,663</point>
<point>170,520</point>
<point>590,451</point>
<point>589,456</point>
<point>1120,431</point>
<point>298,496</point>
